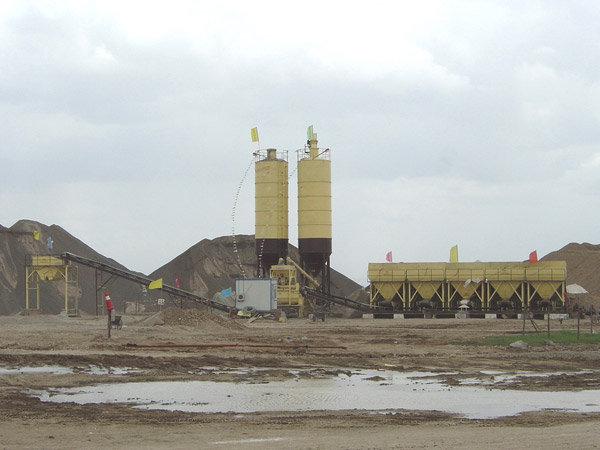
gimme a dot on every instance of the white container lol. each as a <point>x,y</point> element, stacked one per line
<point>258,293</point>
<point>556,316</point>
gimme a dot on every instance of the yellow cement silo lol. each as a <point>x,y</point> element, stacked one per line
<point>314,209</point>
<point>271,208</point>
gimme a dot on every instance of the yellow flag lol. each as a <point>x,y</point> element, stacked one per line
<point>454,254</point>
<point>254,134</point>
<point>36,235</point>
<point>156,284</point>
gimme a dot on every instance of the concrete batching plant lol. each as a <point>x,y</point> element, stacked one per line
<point>314,221</point>
<point>394,287</point>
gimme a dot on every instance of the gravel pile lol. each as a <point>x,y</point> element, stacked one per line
<point>583,268</point>
<point>197,318</point>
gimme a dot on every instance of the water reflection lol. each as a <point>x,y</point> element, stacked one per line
<point>363,390</point>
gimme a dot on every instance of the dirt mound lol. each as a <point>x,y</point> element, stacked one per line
<point>583,265</point>
<point>211,266</point>
<point>583,268</point>
<point>197,318</point>
<point>204,269</point>
<point>17,243</point>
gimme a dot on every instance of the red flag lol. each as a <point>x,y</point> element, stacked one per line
<point>388,257</point>
<point>533,257</point>
<point>177,282</point>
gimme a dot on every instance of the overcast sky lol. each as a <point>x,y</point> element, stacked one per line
<point>469,123</point>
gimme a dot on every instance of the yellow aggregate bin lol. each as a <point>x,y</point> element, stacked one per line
<point>50,273</point>
<point>545,289</point>
<point>424,271</point>
<point>546,271</point>
<point>427,290</point>
<point>485,279</point>
<point>386,272</point>
<point>388,290</point>
<point>465,290</point>
<point>43,260</point>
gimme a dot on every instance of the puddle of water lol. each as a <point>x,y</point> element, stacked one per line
<point>52,370</point>
<point>61,370</point>
<point>96,370</point>
<point>390,391</point>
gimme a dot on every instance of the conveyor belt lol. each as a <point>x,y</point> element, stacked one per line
<point>144,281</point>
<point>343,301</point>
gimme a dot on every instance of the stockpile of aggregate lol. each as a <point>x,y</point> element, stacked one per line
<point>210,266</point>
<point>196,318</point>
<point>583,268</point>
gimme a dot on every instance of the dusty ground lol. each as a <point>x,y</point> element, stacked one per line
<point>437,345</point>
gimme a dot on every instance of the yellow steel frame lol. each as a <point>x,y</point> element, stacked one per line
<point>47,268</point>
<point>31,276</point>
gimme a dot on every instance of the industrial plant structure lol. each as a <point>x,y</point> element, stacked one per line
<point>314,221</point>
<point>393,286</point>
<point>487,286</point>
<point>305,285</point>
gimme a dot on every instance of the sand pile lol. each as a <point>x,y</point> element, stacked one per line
<point>583,265</point>
<point>211,266</point>
<point>196,318</point>
<point>583,268</point>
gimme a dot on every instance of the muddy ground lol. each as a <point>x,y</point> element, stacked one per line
<point>318,348</point>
